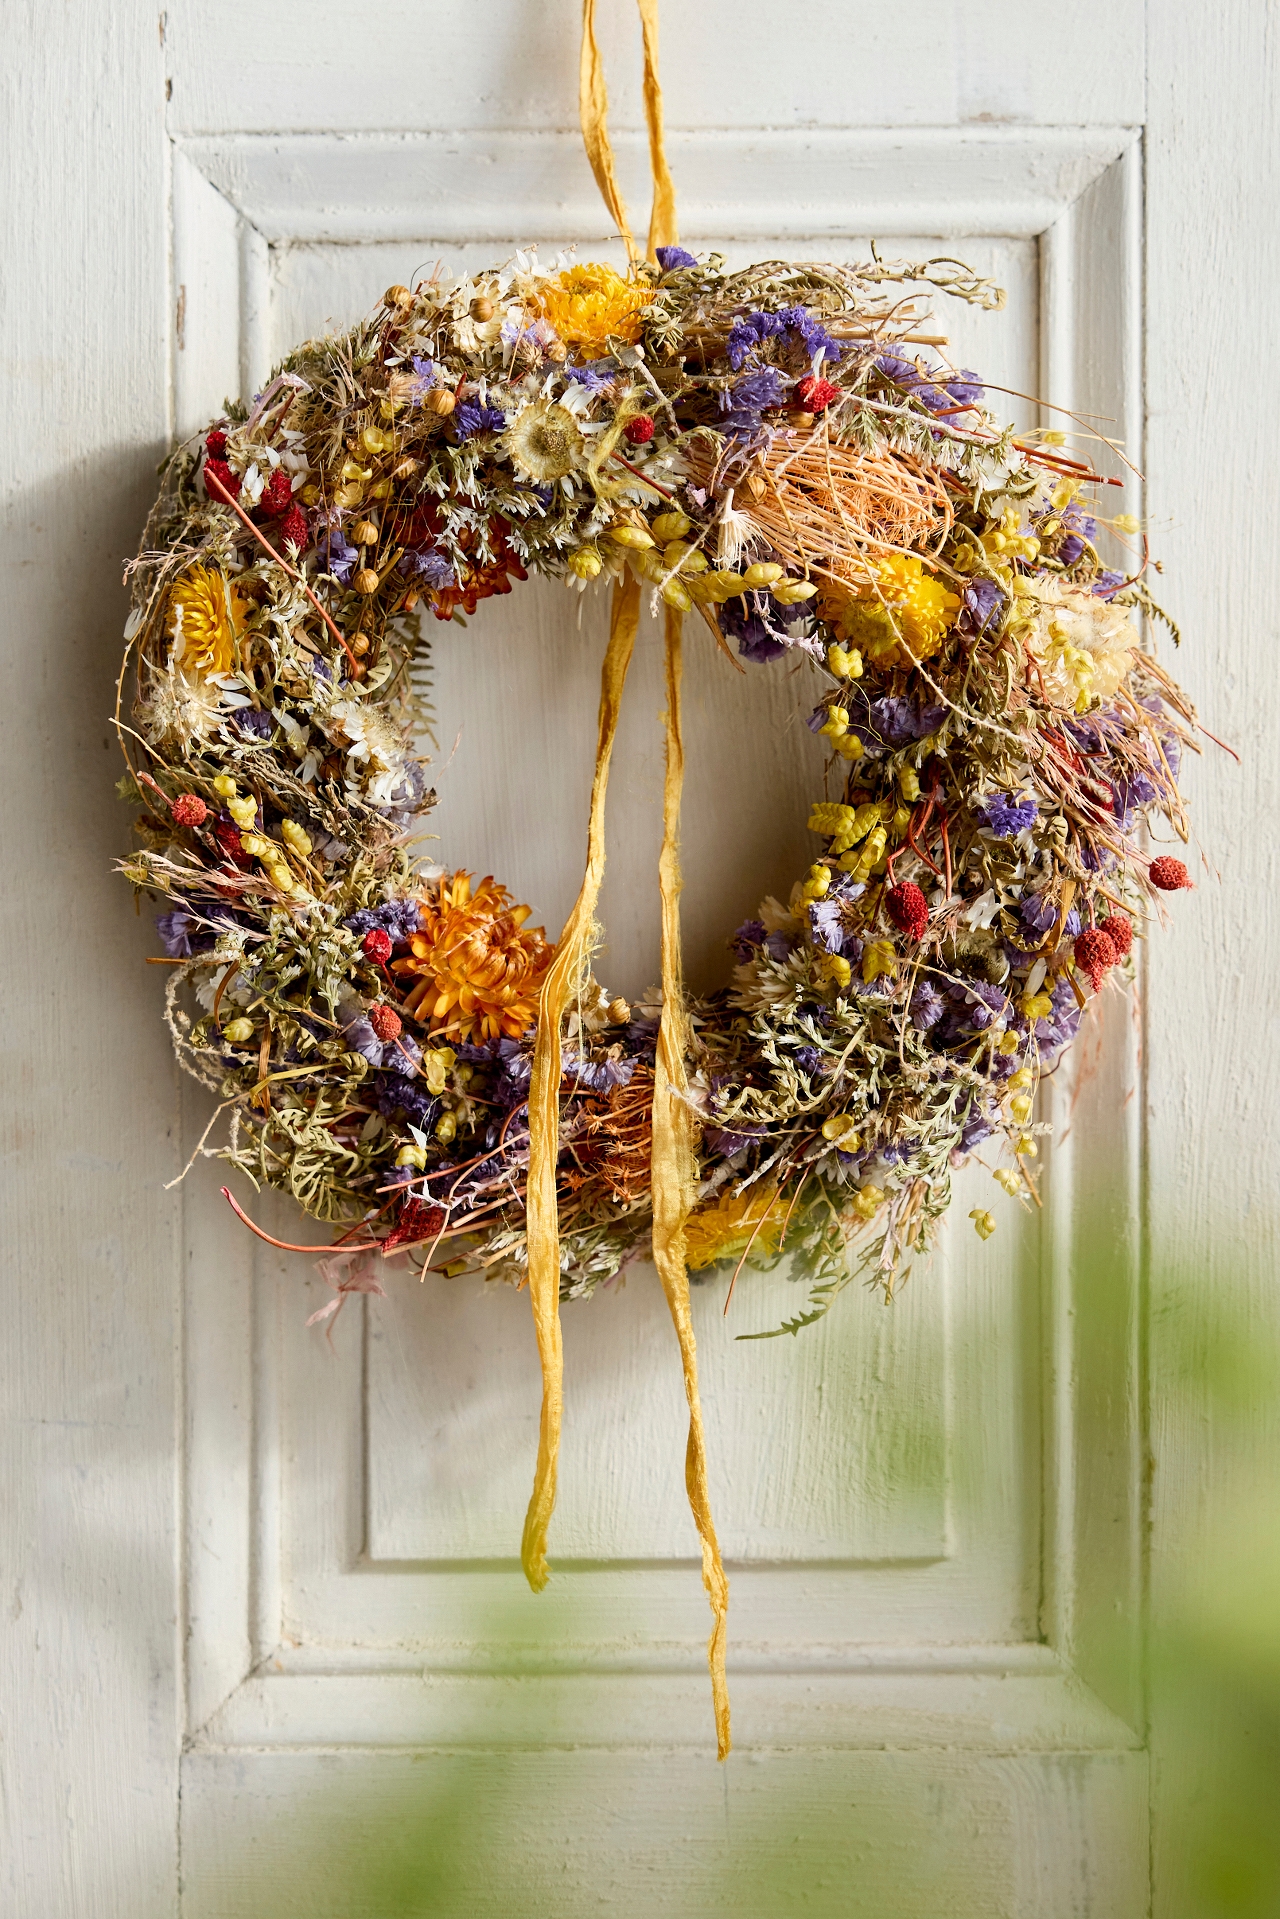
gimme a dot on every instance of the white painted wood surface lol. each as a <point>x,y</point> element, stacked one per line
<point>224,1536</point>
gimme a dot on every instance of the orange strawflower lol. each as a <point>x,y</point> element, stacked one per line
<point>479,971</point>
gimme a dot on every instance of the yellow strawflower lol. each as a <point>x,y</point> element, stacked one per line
<point>724,1229</point>
<point>206,614</point>
<point>587,304</point>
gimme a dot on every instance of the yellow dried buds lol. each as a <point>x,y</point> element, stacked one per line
<point>224,785</point>
<point>238,1031</point>
<point>792,592</point>
<point>763,573</point>
<point>842,1131</point>
<point>446,1128</point>
<point>836,724</point>
<point>437,1066</point>
<point>1020,1106</point>
<point>243,811</point>
<point>585,563</point>
<point>846,665</point>
<point>868,1202</point>
<point>818,883</point>
<point>878,956</point>
<point>412,1155</point>
<point>834,970</point>
<point>909,783</point>
<point>293,835</point>
<point>638,538</point>
<point>983,1222</point>
<point>671,526</point>
<point>1003,1176</point>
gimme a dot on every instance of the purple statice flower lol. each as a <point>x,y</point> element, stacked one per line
<point>749,936</point>
<point>333,552</point>
<point>429,564</point>
<point>595,1075</point>
<point>927,1006</point>
<point>1129,793</point>
<point>755,642</point>
<point>779,946</point>
<point>906,373</point>
<point>515,1070</point>
<point>396,1094</point>
<point>427,374</point>
<point>642,1039</point>
<point>398,918</point>
<point>976,1128</point>
<point>966,389</point>
<point>672,258</point>
<point>1007,814</point>
<point>795,326</point>
<point>745,402</point>
<point>398,1176</point>
<point>472,418</point>
<point>253,723</point>
<point>1080,528</point>
<point>320,670</point>
<point>723,1144</point>
<point>827,925</point>
<point>1106,584</point>
<point>360,1038</point>
<point>402,1055</point>
<point>986,1003</point>
<point>175,931</point>
<point>593,374</point>
<point>983,600</point>
<point>808,1060</point>
<point>1039,915</point>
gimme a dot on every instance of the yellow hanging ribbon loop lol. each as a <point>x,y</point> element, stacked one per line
<point>673,1164</point>
<point>573,954</point>
<point>673,1177</point>
<point>593,111</point>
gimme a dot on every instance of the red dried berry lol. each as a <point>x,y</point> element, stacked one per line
<point>1119,931</point>
<point>228,838</point>
<point>219,472</point>
<point>376,945</point>
<point>386,1023</point>
<point>1095,955</point>
<point>189,810</point>
<point>640,430</point>
<point>417,1221</point>
<point>907,908</point>
<point>277,494</point>
<point>216,444</point>
<point>294,530</point>
<point>815,395</point>
<point>1169,874</point>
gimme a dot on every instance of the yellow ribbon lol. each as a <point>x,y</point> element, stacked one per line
<point>673,1163</point>
<point>593,111</point>
<point>673,1176</point>
<point>564,975</point>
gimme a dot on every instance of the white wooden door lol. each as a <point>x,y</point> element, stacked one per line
<point>933,1514</point>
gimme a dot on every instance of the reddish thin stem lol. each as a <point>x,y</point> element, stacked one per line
<point>365,1246</point>
<point>211,479</point>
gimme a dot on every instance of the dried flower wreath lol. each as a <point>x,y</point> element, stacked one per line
<point>770,451</point>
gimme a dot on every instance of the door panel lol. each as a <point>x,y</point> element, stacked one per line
<point>903,1493</point>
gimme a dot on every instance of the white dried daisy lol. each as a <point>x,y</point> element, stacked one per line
<point>544,442</point>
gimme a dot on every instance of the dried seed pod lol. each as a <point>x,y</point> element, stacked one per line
<point>482,309</point>
<point>366,532</point>
<point>406,469</point>
<point>397,296</point>
<point>366,580</point>
<point>360,645</point>
<point>440,400</point>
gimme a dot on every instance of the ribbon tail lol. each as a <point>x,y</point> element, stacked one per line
<point>542,1216</point>
<point>673,1176</point>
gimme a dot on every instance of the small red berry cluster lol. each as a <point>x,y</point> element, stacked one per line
<point>277,502</point>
